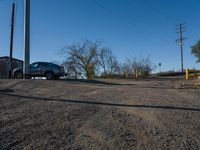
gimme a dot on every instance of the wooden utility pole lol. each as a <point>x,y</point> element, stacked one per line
<point>11,40</point>
<point>180,29</point>
<point>26,38</point>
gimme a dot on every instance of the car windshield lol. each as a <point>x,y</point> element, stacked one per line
<point>34,65</point>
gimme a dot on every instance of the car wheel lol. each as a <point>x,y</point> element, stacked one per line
<point>56,77</point>
<point>50,75</point>
<point>18,75</point>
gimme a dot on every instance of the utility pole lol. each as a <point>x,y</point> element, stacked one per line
<point>11,40</point>
<point>26,38</point>
<point>180,29</point>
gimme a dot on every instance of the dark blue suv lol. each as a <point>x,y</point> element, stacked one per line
<point>41,69</point>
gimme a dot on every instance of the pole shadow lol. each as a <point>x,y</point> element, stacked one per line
<point>99,103</point>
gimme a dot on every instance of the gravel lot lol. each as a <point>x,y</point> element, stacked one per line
<point>99,114</point>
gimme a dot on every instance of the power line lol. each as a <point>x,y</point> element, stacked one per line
<point>154,6</point>
<point>130,21</point>
<point>150,7</point>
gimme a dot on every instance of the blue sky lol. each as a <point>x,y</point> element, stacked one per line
<point>129,27</point>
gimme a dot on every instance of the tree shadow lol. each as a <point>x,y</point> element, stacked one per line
<point>99,103</point>
<point>6,91</point>
<point>101,83</point>
<point>88,81</point>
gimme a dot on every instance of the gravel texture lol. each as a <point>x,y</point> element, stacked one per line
<point>100,114</point>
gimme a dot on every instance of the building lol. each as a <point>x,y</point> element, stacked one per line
<point>4,66</point>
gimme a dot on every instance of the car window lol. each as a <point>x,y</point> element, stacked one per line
<point>52,65</point>
<point>34,65</point>
<point>43,64</point>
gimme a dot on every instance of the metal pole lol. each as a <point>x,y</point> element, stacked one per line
<point>160,64</point>
<point>26,38</point>
<point>11,40</point>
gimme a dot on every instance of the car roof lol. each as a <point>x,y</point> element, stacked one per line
<point>42,62</point>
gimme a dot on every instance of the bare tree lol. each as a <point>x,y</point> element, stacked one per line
<point>71,69</point>
<point>86,59</point>
<point>139,67</point>
<point>125,70</point>
<point>107,62</point>
<point>82,58</point>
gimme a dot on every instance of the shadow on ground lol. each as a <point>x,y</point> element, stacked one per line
<point>97,103</point>
<point>78,81</point>
<point>98,82</point>
<point>6,91</point>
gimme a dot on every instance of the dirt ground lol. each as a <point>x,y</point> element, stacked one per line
<point>99,114</point>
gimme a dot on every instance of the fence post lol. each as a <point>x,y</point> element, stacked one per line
<point>187,74</point>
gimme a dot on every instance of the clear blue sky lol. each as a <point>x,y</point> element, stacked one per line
<point>128,27</point>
